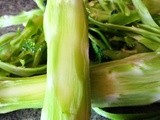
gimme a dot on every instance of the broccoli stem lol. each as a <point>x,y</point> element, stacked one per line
<point>66,34</point>
<point>21,93</point>
<point>127,82</point>
<point>22,71</point>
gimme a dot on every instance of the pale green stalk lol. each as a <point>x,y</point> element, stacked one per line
<point>22,71</point>
<point>21,93</point>
<point>130,81</point>
<point>144,13</point>
<point>7,37</point>
<point>21,18</point>
<point>127,82</point>
<point>67,92</point>
<point>28,92</point>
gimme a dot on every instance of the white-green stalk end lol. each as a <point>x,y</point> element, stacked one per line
<point>66,34</point>
<point>126,82</point>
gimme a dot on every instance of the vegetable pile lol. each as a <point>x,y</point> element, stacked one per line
<point>69,56</point>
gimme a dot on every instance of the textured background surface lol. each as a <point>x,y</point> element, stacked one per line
<point>12,7</point>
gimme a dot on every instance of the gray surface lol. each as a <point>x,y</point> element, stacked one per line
<point>14,7</point>
<point>34,114</point>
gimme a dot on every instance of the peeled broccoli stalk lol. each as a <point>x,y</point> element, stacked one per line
<point>131,81</point>
<point>127,82</point>
<point>66,35</point>
<point>21,93</point>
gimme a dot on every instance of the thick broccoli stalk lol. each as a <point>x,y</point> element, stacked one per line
<point>131,81</point>
<point>66,35</point>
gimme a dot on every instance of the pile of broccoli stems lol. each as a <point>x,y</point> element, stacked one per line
<point>124,45</point>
